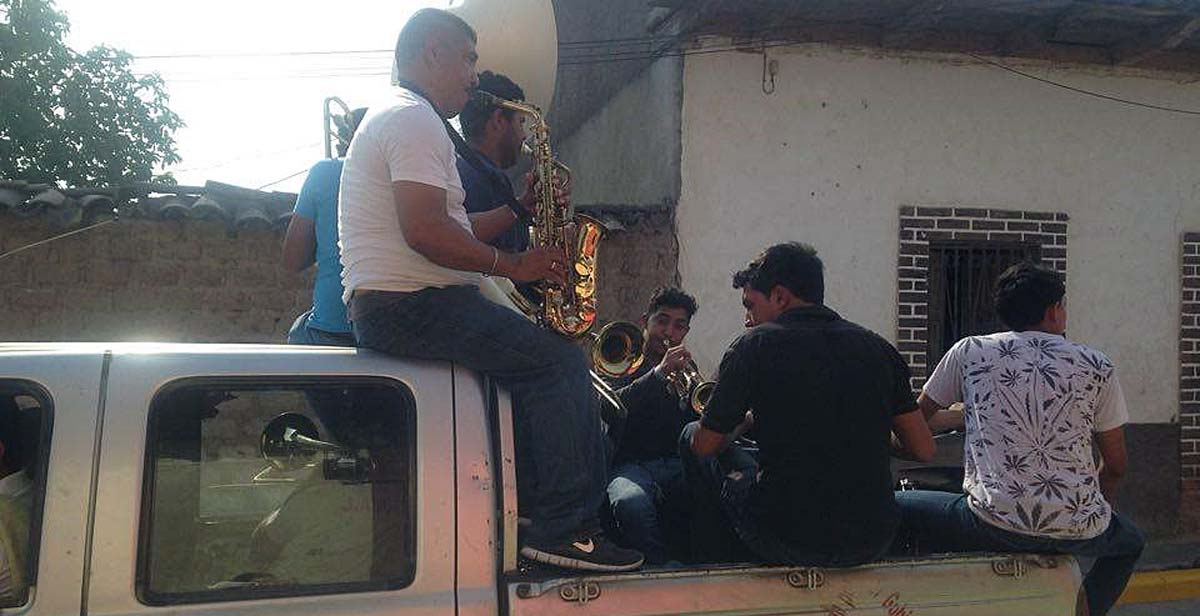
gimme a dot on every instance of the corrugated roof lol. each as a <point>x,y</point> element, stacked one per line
<point>241,208</point>
<point>1152,34</point>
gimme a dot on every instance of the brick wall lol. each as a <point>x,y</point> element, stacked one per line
<point>193,281</point>
<point>921,225</point>
<point>635,260</point>
<point>187,280</point>
<point>1189,380</point>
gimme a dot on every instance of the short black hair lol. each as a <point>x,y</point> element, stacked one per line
<point>421,25</point>
<point>1024,292</point>
<point>670,297</point>
<point>794,265</point>
<point>475,114</point>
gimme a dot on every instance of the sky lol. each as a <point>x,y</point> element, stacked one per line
<point>243,76</point>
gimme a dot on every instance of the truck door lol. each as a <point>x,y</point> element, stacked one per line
<point>48,404</point>
<point>268,480</point>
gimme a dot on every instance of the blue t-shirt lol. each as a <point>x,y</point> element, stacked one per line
<point>482,196</point>
<point>318,202</point>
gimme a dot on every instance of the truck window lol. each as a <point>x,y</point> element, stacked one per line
<point>261,489</point>
<point>24,443</point>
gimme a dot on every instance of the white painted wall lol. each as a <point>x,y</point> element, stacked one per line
<point>848,137</point>
<point>629,154</point>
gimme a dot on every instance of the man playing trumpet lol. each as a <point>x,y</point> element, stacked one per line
<point>647,480</point>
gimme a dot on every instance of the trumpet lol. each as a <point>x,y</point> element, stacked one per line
<point>687,384</point>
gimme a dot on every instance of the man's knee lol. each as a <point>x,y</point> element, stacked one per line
<point>628,499</point>
<point>568,356</point>
<point>685,441</point>
<point>1132,540</point>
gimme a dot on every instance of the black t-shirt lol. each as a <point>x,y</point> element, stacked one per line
<point>824,392</point>
<point>656,417</point>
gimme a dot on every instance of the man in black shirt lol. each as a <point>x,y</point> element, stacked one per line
<point>826,396</point>
<point>647,488</point>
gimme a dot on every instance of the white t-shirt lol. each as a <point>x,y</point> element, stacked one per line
<point>402,142</point>
<point>1032,401</point>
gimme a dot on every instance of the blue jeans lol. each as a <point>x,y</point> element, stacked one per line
<point>303,333</point>
<point>636,494</point>
<point>723,484</point>
<point>560,453</point>
<point>942,522</point>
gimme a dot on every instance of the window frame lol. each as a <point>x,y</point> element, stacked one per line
<point>38,503</point>
<point>408,408</point>
<point>936,308</point>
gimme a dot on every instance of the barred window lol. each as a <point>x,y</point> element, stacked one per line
<point>961,277</point>
<point>260,489</point>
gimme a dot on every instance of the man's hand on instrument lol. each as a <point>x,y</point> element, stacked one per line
<point>536,264</point>
<point>676,358</point>
<point>530,200</point>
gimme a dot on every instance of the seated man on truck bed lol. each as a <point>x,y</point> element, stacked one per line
<point>647,496</point>
<point>827,396</point>
<point>1034,402</point>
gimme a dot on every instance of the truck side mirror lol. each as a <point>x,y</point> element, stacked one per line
<point>281,447</point>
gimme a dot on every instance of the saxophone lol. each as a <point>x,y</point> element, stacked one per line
<point>569,309</point>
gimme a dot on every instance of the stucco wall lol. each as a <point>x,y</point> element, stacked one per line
<point>849,137</point>
<point>627,154</point>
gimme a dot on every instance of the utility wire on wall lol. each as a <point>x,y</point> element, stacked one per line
<point>624,49</point>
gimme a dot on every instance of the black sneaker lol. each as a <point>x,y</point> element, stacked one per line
<point>589,552</point>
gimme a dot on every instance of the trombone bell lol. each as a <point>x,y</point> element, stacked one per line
<point>617,349</point>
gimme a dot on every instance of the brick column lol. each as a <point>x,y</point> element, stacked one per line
<point>1189,383</point>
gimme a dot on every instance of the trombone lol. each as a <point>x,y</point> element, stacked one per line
<point>616,351</point>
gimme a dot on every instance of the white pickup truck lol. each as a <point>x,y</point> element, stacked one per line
<point>272,480</point>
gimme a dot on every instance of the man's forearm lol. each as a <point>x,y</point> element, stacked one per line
<point>493,223</point>
<point>449,245</point>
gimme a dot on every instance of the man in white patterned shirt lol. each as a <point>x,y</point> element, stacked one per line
<point>1033,403</point>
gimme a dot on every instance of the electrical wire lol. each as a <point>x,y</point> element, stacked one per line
<point>283,179</point>
<point>57,237</point>
<point>1100,95</point>
<point>230,161</point>
<point>258,54</point>
<point>617,49</point>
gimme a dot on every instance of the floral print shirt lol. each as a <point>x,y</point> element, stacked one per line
<point>1032,401</point>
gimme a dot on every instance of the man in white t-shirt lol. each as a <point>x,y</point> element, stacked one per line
<point>1033,403</point>
<point>413,260</point>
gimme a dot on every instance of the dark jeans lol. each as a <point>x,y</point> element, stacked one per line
<point>560,446</point>
<point>721,486</point>
<point>942,522</point>
<point>303,333</point>
<point>639,494</point>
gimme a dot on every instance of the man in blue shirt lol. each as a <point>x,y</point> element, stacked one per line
<point>496,135</point>
<point>312,237</point>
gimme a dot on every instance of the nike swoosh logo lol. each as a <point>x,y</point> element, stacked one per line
<point>586,548</point>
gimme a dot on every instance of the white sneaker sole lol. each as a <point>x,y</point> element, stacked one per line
<point>574,563</point>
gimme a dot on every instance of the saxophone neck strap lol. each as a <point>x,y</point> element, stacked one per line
<point>491,175</point>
